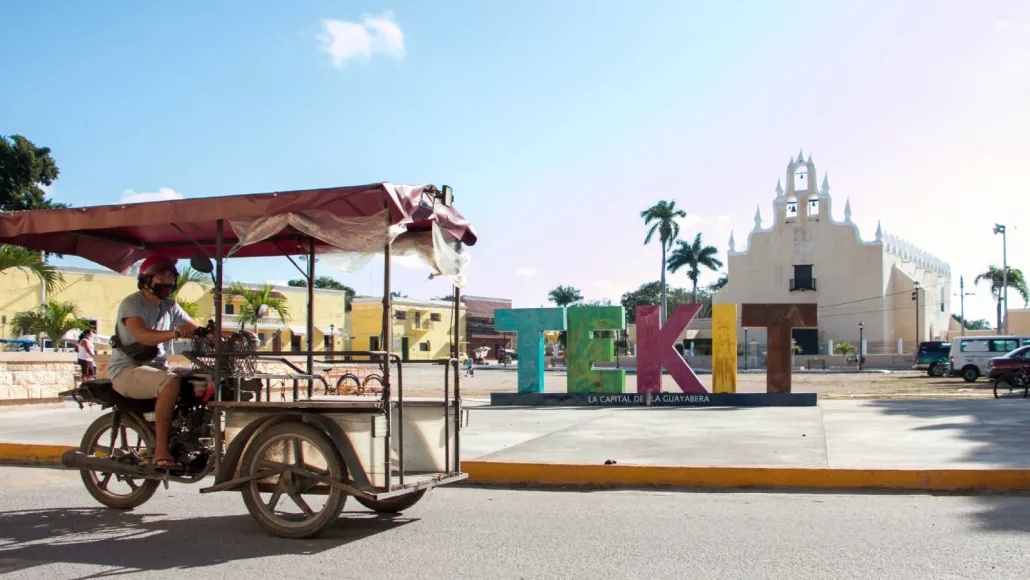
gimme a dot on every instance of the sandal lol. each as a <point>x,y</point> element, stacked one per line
<point>164,464</point>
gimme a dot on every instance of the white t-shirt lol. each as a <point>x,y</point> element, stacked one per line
<point>84,350</point>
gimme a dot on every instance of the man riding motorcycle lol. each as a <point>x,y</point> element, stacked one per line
<point>147,323</point>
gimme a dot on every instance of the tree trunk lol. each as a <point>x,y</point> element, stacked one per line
<point>999,315</point>
<point>693,295</point>
<point>663,285</point>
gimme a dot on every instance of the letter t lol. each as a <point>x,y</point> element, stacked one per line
<point>530,323</point>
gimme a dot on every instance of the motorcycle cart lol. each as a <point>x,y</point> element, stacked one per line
<point>294,462</point>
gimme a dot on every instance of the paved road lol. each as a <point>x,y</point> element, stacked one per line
<point>49,528</point>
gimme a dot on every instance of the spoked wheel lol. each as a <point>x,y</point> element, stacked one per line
<point>373,380</point>
<point>349,384</point>
<point>133,443</point>
<point>393,505</point>
<point>293,501</point>
<point>938,369</point>
<point>1014,386</point>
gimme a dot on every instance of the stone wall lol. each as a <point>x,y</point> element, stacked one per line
<point>35,376</point>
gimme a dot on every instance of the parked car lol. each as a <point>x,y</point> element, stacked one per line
<point>1009,364</point>
<point>970,354</point>
<point>932,356</point>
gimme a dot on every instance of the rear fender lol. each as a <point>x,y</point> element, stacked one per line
<point>231,460</point>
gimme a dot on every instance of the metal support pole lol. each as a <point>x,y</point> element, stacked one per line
<point>311,313</point>
<point>861,341</point>
<point>218,342</point>
<point>962,302</point>
<point>457,380</point>
<point>387,347</point>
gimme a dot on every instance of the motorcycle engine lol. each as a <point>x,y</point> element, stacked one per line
<point>190,440</point>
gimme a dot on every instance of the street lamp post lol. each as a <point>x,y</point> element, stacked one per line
<point>332,340</point>
<point>915,296</point>
<point>861,340</point>
<point>1000,229</point>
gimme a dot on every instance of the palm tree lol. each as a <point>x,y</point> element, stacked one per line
<point>564,296</point>
<point>257,303</point>
<point>188,274</point>
<point>996,276</point>
<point>720,283</point>
<point>694,256</point>
<point>31,263</point>
<point>664,215</point>
<point>52,318</point>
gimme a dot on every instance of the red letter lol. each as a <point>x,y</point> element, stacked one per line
<point>656,348</point>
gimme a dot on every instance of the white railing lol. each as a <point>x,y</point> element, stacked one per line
<point>233,321</point>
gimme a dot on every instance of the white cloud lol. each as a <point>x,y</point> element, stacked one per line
<point>162,194</point>
<point>525,272</point>
<point>345,40</point>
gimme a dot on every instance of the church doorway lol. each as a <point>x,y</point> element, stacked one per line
<point>807,339</point>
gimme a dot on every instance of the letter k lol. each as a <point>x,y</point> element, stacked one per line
<point>656,348</point>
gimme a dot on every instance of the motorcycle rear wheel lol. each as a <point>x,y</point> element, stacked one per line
<point>97,483</point>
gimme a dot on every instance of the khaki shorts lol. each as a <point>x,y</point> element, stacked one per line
<point>142,382</point>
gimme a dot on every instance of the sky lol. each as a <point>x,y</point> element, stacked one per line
<point>556,123</point>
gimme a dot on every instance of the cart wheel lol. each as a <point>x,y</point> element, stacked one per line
<point>344,388</point>
<point>393,505</point>
<point>373,379</point>
<point>132,442</point>
<point>281,502</point>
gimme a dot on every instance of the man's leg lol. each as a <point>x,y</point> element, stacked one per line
<point>163,411</point>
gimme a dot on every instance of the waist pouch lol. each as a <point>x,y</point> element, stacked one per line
<point>137,351</point>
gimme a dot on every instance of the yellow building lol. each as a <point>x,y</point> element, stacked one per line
<point>422,329</point>
<point>97,294</point>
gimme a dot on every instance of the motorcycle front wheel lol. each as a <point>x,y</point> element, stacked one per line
<point>133,442</point>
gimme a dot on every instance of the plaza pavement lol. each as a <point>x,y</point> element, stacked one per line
<point>911,444</point>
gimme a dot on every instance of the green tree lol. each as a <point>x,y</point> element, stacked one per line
<point>662,219</point>
<point>694,256</point>
<point>328,283</point>
<point>564,296</point>
<point>996,276</point>
<point>32,264</point>
<point>258,303</point>
<point>25,170</point>
<point>188,275</point>
<point>979,324</point>
<point>650,294</point>
<point>719,284</point>
<point>52,318</point>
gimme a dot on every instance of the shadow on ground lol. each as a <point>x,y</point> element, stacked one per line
<point>999,429</point>
<point>131,541</point>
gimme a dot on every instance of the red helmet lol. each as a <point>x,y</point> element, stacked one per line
<point>155,264</point>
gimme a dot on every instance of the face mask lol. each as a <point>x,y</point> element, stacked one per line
<point>163,291</point>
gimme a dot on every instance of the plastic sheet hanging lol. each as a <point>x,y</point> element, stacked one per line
<point>434,247</point>
<point>349,234</point>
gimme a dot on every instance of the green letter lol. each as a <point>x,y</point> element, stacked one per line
<point>582,350</point>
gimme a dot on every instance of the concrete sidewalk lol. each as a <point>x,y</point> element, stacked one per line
<point>870,435</point>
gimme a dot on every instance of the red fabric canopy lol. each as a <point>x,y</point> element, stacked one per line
<point>117,236</point>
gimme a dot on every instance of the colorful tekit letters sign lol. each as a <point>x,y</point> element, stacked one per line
<point>656,342</point>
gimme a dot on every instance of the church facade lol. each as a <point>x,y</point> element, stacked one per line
<point>807,256</point>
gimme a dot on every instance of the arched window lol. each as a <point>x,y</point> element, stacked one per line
<point>801,178</point>
<point>792,207</point>
<point>813,206</point>
<point>944,296</point>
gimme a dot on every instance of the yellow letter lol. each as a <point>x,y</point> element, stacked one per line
<point>724,348</point>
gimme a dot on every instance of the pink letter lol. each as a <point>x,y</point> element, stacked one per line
<point>655,349</point>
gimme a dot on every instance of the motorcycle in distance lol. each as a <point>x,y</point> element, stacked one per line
<point>115,454</point>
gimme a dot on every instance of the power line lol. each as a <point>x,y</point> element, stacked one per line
<point>877,297</point>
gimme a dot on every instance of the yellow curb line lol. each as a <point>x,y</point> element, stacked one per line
<point>510,472</point>
<point>726,477</point>
<point>24,454</point>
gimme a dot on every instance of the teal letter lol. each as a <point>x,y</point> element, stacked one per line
<point>530,324</point>
<point>582,350</point>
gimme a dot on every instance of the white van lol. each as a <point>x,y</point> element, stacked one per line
<point>969,354</point>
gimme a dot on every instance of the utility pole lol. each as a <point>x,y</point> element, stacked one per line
<point>915,296</point>
<point>962,301</point>
<point>1000,229</point>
